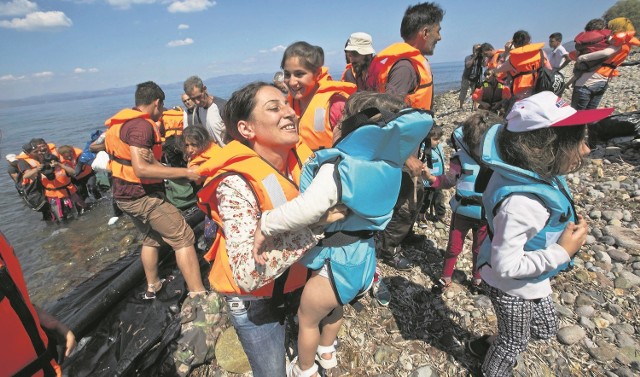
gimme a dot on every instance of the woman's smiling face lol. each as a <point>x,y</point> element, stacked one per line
<point>273,122</point>
<point>301,81</point>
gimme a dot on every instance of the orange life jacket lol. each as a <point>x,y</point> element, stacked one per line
<point>236,158</point>
<point>348,68</point>
<point>422,95</point>
<point>86,169</point>
<point>524,60</point>
<point>33,163</point>
<point>212,151</point>
<point>493,63</point>
<point>59,187</point>
<point>173,121</point>
<point>314,125</point>
<point>25,345</point>
<point>118,150</point>
<point>625,40</point>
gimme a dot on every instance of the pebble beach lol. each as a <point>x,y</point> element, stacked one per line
<point>421,334</point>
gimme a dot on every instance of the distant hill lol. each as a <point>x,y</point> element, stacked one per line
<point>222,86</point>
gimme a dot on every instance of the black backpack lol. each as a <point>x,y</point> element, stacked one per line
<point>475,74</point>
<point>548,79</point>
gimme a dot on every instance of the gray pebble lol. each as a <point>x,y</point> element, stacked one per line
<point>571,334</point>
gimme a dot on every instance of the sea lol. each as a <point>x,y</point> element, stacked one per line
<point>57,257</point>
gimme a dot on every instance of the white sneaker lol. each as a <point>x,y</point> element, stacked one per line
<point>295,371</point>
<point>113,220</point>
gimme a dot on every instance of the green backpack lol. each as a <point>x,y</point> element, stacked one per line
<point>180,195</point>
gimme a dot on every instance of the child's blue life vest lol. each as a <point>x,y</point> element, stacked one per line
<point>466,201</point>
<point>368,164</point>
<point>437,160</point>
<point>507,180</point>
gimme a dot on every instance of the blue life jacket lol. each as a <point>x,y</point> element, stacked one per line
<point>466,201</point>
<point>87,157</point>
<point>368,164</point>
<point>507,180</point>
<point>437,162</point>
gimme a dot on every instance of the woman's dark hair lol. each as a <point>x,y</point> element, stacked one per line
<point>198,135</point>
<point>311,57</point>
<point>239,107</point>
<point>520,38</point>
<point>546,151</point>
<point>474,128</point>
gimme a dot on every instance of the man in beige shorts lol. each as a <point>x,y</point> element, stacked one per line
<point>134,145</point>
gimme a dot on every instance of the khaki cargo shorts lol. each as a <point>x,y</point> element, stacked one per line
<point>159,221</point>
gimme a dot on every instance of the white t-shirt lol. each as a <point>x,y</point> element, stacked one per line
<point>556,56</point>
<point>213,123</point>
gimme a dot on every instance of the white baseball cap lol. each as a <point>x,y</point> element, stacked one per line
<point>11,157</point>
<point>360,43</point>
<point>545,109</point>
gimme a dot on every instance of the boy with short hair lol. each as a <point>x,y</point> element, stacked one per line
<point>558,55</point>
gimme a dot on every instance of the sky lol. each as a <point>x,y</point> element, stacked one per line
<point>59,46</point>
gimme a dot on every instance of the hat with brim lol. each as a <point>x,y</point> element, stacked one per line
<point>11,157</point>
<point>360,43</point>
<point>545,110</point>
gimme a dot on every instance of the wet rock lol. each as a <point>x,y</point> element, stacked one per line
<point>568,298</point>
<point>603,353</point>
<point>623,371</point>
<point>424,371</point>
<point>627,280</point>
<point>618,255</point>
<point>625,237</point>
<point>570,334</point>
<point>585,311</point>
<point>229,353</point>
<point>386,355</point>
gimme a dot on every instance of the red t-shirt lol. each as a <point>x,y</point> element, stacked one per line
<point>136,132</point>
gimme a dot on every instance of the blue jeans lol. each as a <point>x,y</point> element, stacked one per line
<point>588,97</point>
<point>261,335</point>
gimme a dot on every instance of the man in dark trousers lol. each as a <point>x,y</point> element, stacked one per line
<point>403,69</point>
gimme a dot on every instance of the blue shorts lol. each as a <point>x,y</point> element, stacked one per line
<point>350,268</point>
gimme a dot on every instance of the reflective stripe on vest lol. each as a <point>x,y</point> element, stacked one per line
<point>315,125</point>
<point>269,187</point>
<point>466,201</point>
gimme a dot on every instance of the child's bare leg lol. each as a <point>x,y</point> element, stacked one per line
<point>317,301</point>
<point>330,327</point>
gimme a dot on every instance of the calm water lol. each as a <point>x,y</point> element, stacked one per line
<point>54,257</point>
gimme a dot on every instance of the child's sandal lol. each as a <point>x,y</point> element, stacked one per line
<point>332,362</point>
<point>295,371</point>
